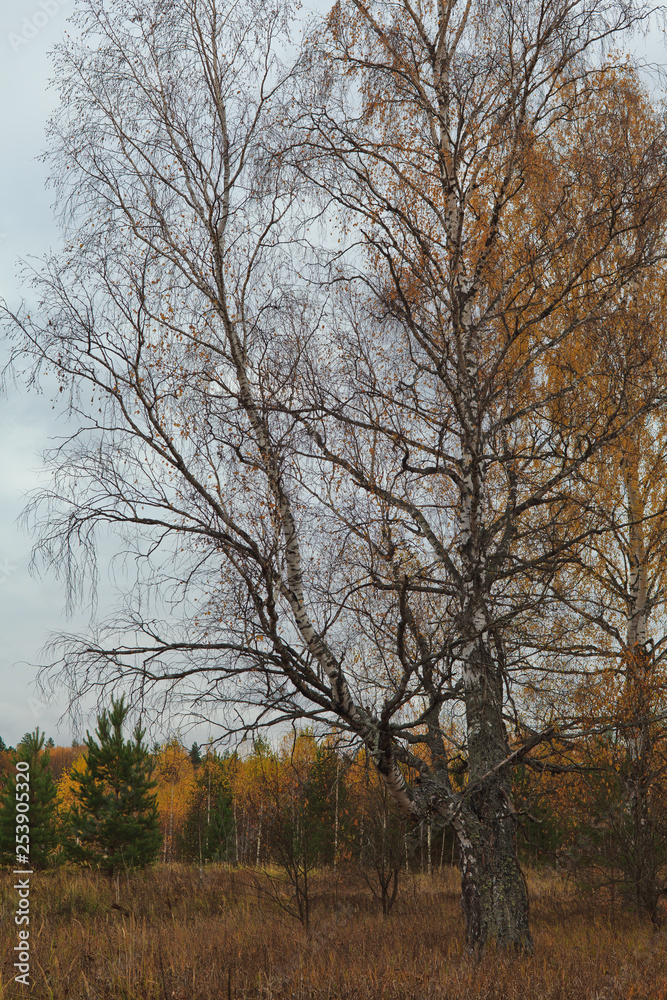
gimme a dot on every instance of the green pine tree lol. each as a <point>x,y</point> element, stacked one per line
<point>114,824</point>
<point>195,755</point>
<point>41,814</point>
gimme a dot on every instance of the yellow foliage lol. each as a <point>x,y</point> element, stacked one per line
<point>176,778</point>
<point>67,785</point>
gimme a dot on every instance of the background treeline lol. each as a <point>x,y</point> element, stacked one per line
<point>303,807</point>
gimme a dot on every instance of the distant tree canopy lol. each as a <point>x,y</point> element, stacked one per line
<point>209,829</point>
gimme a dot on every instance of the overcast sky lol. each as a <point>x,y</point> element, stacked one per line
<point>31,608</point>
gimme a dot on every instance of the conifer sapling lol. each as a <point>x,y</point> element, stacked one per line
<point>114,823</point>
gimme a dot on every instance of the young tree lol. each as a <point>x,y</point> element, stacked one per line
<point>382,843</point>
<point>286,787</point>
<point>356,460</point>
<point>114,824</point>
<point>42,830</point>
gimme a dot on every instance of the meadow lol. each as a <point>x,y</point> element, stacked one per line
<point>177,933</point>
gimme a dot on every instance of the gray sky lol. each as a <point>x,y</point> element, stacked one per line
<point>31,608</point>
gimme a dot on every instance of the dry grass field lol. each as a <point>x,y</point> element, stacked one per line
<point>171,934</point>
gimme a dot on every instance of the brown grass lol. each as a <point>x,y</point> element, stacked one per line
<point>169,935</point>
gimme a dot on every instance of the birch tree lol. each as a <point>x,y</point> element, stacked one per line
<point>619,596</point>
<point>463,148</point>
<point>344,469</point>
<point>617,585</point>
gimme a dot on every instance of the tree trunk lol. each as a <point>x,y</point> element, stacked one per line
<point>335,859</point>
<point>639,664</point>
<point>208,807</point>
<point>429,852</point>
<point>647,892</point>
<point>171,824</point>
<point>236,837</point>
<point>494,895</point>
<point>259,837</point>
